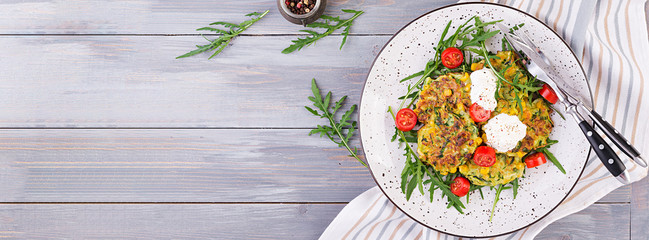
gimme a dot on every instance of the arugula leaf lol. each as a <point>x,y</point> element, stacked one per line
<point>415,171</point>
<point>549,154</point>
<point>498,191</point>
<point>515,187</point>
<point>472,188</point>
<point>557,111</point>
<point>414,75</point>
<point>552,159</point>
<point>466,34</point>
<point>335,131</point>
<point>222,41</point>
<point>327,24</point>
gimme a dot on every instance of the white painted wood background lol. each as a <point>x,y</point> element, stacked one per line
<point>105,135</point>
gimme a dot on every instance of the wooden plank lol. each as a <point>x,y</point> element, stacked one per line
<point>620,195</point>
<point>236,165</point>
<point>190,165</point>
<point>599,221</point>
<point>134,81</point>
<point>238,221</point>
<point>640,209</point>
<point>183,17</point>
<point>165,221</point>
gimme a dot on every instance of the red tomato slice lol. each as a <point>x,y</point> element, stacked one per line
<point>406,119</point>
<point>452,57</point>
<point>479,114</point>
<point>535,160</point>
<point>548,94</point>
<point>460,186</point>
<point>484,156</point>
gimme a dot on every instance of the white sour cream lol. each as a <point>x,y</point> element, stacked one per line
<point>483,88</point>
<point>504,132</point>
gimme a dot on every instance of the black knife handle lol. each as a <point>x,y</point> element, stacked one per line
<point>615,136</point>
<point>605,153</point>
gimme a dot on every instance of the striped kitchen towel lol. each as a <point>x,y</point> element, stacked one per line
<point>610,36</point>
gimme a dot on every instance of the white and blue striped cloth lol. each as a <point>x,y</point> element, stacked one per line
<point>611,38</point>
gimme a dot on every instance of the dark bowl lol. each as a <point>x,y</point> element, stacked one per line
<point>302,19</point>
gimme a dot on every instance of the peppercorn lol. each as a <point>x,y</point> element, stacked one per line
<point>300,6</point>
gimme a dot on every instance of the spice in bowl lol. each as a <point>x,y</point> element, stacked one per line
<point>300,6</point>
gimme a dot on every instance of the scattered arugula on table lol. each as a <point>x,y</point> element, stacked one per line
<point>222,41</point>
<point>329,23</point>
<point>336,130</point>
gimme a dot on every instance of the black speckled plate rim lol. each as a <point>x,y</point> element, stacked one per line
<point>454,5</point>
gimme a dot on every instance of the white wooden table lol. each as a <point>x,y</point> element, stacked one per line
<point>106,135</point>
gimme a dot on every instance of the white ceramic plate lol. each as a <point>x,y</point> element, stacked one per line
<point>542,189</point>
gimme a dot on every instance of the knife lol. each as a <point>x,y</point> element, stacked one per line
<point>541,67</point>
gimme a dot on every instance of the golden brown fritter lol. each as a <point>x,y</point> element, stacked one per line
<point>449,136</point>
<point>505,170</point>
<point>535,114</point>
<point>446,90</point>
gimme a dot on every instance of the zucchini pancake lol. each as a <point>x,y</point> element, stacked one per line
<point>449,137</point>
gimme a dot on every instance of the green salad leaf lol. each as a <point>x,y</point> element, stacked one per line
<point>338,131</point>
<point>331,24</point>
<point>232,30</point>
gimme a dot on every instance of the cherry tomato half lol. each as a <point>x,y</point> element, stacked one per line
<point>452,57</point>
<point>484,156</point>
<point>548,94</point>
<point>460,186</point>
<point>406,119</point>
<point>479,114</point>
<point>535,160</point>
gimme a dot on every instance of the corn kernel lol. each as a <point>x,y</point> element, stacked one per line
<point>463,169</point>
<point>478,141</point>
<point>443,173</point>
<point>484,171</point>
<point>453,170</point>
<point>465,77</point>
<point>476,66</point>
<point>447,92</point>
<point>513,111</point>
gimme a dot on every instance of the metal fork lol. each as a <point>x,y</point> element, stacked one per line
<point>541,67</point>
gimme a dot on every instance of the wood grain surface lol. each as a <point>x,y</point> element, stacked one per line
<point>104,134</point>
<point>191,165</point>
<point>183,17</point>
<point>181,165</point>
<point>239,221</point>
<point>136,82</point>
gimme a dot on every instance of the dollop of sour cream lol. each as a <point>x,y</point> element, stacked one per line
<point>483,88</point>
<point>504,131</point>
